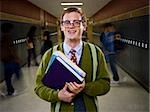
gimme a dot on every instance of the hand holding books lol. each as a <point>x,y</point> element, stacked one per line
<point>65,95</point>
<point>70,90</point>
<point>76,88</point>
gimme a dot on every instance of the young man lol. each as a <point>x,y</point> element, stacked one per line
<point>75,97</point>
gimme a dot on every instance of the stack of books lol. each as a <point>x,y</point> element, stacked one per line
<point>61,70</point>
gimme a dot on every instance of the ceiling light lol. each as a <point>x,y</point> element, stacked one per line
<point>72,4</point>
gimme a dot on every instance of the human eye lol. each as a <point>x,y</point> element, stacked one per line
<point>76,22</point>
<point>66,22</point>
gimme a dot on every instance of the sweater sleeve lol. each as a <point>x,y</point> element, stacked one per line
<point>102,83</point>
<point>41,90</point>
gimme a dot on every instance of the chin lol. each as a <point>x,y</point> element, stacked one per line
<point>71,37</point>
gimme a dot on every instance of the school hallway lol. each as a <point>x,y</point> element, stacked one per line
<point>128,96</point>
<point>130,21</point>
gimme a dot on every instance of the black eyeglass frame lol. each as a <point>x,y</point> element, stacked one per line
<point>76,23</point>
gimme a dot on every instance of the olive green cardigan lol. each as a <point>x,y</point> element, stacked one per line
<point>100,86</point>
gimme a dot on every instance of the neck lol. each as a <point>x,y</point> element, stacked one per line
<point>72,43</point>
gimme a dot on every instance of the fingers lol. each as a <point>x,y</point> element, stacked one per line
<point>75,88</point>
<point>65,95</point>
<point>65,87</point>
<point>71,85</point>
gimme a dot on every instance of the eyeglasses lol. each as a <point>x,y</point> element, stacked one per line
<point>67,23</point>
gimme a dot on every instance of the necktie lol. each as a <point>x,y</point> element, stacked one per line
<point>73,56</point>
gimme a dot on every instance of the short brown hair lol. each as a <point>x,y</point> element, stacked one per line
<point>74,9</point>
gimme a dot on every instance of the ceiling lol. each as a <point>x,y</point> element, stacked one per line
<point>53,6</point>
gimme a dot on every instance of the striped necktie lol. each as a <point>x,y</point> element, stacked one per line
<point>73,56</point>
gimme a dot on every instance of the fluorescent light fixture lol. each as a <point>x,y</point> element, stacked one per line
<point>71,3</point>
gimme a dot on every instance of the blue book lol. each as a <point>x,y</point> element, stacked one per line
<point>61,70</point>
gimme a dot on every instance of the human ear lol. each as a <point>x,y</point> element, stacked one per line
<point>84,28</point>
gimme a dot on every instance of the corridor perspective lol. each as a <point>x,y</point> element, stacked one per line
<point>107,39</point>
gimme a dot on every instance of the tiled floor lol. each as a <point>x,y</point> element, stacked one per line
<point>128,96</point>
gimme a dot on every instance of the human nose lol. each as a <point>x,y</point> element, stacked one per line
<point>71,23</point>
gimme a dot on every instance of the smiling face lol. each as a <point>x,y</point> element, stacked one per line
<point>72,26</point>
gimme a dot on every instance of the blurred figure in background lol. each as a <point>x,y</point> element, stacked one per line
<point>31,45</point>
<point>107,39</point>
<point>47,43</point>
<point>9,57</point>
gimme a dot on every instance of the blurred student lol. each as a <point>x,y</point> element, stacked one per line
<point>108,42</point>
<point>74,97</point>
<point>30,41</point>
<point>47,43</point>
<point>9,57</point>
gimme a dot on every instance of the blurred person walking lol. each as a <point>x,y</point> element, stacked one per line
<point>9,57</point>
<point>31,45</point>
<point>108,42</point>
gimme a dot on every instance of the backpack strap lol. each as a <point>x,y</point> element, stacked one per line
<point>95,62</point>
<point>57,107</point>
<point>55,48</point>
<point>95,65</point>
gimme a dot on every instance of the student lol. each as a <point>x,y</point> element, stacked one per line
<point>31,45</point>
<point>108,42</point>
<point>75,97</point>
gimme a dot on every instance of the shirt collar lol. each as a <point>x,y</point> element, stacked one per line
<point>78,48</point>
